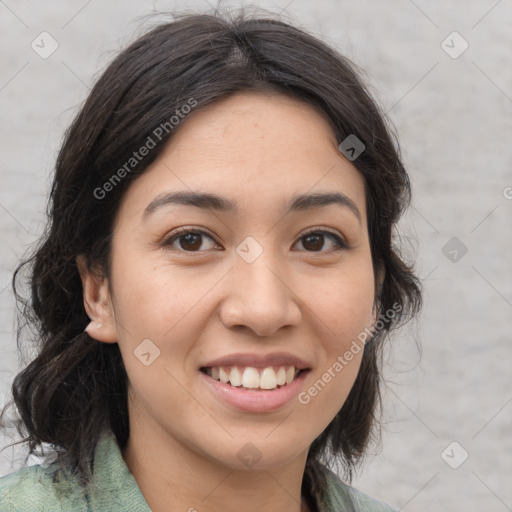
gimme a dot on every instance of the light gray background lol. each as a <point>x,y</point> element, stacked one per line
<point>454,119</point>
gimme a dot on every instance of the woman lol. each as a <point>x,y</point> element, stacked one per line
<point>216,281</point>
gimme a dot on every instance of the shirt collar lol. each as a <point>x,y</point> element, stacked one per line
<point>112,481</point>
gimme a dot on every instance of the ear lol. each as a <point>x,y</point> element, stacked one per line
<point>97,303</point>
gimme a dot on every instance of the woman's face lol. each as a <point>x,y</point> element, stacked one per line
<point>264,280</point>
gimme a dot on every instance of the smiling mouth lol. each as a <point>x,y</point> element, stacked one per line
<point>254,379</point>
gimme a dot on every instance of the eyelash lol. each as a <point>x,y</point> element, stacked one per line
<point>340,243</point>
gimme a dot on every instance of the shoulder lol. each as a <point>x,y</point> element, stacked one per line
<point>39,489</point>
<point>340,496</point>
<point>53,488</point>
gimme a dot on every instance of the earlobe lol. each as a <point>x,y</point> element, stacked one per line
<point>97,303</point>
<point>101,332</point>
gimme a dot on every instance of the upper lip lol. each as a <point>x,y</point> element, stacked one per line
<point>259,360</point>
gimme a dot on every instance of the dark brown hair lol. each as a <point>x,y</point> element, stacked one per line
<point>76,386</point>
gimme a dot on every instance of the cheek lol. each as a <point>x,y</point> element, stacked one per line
<point>152,298</point>
<point>344,304</point>
<point>160,311</point>
<point>155,318</point>
<point>343,310</point>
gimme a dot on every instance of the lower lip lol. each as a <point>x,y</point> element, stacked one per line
<point>255,401</point>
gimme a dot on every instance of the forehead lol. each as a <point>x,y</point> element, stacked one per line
<point>251,145</point>
<point>247,119</point>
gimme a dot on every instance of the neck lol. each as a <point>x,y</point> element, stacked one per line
<point>172,475</point>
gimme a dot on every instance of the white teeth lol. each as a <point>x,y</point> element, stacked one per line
<point>235,377</point>
<point>251,378</point>
<point>224,377</point>
<point>281,376</point>
<point>268,379</point>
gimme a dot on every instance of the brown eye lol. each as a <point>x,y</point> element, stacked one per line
<point>188,240</point>
<point>315,241</point>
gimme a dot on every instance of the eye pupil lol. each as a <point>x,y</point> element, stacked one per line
<point>190,238</point>
<point>315,238</point>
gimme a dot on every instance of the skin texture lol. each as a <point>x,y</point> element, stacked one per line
<point>199,301</point>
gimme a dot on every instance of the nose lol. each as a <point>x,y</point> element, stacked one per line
<point>259,298</point>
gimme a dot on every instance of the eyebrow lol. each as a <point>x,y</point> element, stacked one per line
<point>298,203</point>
